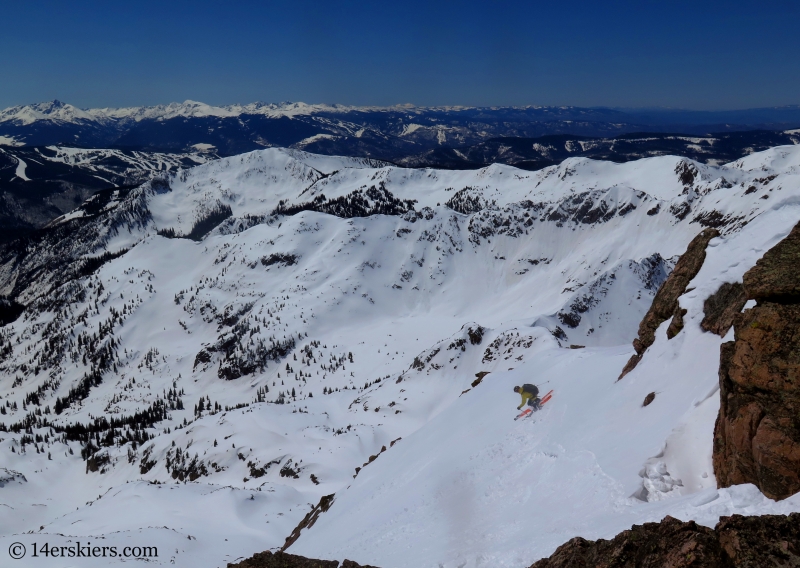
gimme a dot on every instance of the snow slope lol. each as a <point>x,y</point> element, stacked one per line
<point>260,326</point>
<point>579,467</point>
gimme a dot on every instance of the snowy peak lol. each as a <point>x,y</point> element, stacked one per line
<point>186,109</point>
<point>53,111</point>
<point>57,111</point>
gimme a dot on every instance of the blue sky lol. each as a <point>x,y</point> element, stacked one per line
<point>700,55</point>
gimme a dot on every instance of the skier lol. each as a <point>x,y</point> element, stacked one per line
<point>529,394</point>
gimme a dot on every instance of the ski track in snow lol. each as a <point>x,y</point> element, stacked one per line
<point>20,171</point>
<point>421,301</point>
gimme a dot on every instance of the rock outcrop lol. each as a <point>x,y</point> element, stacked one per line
<point>736,542</point>
<point>776,276</point>
<point>665,304</point>
<point>757,433</point>
<point>268,559</point>
<point>308,521</point>
<point>721,307</point>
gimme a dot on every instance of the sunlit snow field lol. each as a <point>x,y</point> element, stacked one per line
<point>465,485</point>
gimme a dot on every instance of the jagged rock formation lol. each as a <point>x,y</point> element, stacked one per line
<point>283,560</point>
<point>736,542</point>
<point>308,521</point>
<point>665,304</point>
<point>721,307</point>
<point>757,434</point>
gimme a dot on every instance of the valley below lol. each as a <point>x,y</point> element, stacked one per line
<point>316,353</point>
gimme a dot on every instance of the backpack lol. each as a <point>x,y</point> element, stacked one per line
<point>531,389</point>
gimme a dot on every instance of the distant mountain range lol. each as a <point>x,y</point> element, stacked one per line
<point>54,155</point>
<point>387,133</point>
<point>537,153</point>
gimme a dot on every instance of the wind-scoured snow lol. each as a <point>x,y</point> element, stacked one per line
<point>293,315</point>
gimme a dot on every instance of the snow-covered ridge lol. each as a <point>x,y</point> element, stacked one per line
<point>41,183</point>
<point>64,113</point>
<point>58,111</point>
<point>259,326</point>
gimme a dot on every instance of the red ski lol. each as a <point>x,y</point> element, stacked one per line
<point>528,411</point>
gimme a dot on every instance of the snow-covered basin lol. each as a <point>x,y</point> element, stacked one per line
<point>189,525</point>
<point>475,488</point>
<point>466,486</point>
<point>494,492</point>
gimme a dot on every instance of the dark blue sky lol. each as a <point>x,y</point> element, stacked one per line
<point>700,54</point>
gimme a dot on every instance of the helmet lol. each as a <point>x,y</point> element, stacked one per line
<point>516,389</point>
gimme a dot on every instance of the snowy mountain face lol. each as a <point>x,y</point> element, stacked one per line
<point>232,129</point>
<point>39,184</point>
<point>215,350</point>
<point>43,174</point>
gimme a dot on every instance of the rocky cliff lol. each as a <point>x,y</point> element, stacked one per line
<point>665,304</point>
<point>721,308</point>
<point>757,434</point>
<point>736,542</point>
